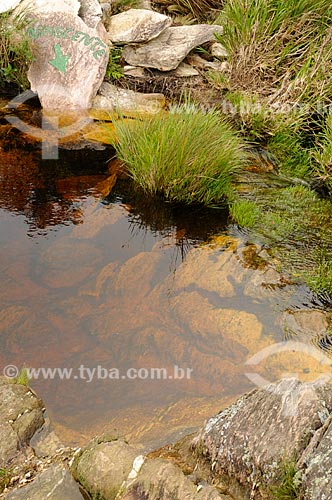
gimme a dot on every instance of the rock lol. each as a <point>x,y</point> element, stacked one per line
<point>317,479</point>
<point>47,7</point>
<point>137,26</point>
<point>21,415</point>
<point>45,442</point>
<point>134,71</point>
<point>102,467</point>
<point>185,70</point>
<point>200,63</point>
<point>70,61</point>
<point>56,483</point>
<point>9,443</point>
<point>306,322</point>
<point>218,50</point>
<point>91,12</point>
<point>159,479</point>
<point>7,5</point>
<point>112,99</point>
<point>249,439</point>
<point>171,47</point>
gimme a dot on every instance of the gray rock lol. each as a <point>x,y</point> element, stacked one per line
<point>45,442</point>
<point>160,480</point>
<point>56,483</point>
<point>134,71</point>
<point>317,480</point>
<point>112,99</point>
<point>171,47</point>
<point>9,443</point>
<point>102,467</point>
<point>249,439</point>
<point>218,50</point>
<point>184,71</point>
<point>47,7</point>
<point>70,61</point>
<point>91,12</point>
<point>137,26</point>
<point>21,415</point>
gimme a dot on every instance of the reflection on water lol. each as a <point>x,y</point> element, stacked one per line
<point>122,281</point>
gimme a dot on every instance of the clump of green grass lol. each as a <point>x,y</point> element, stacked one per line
<point>281,50</point>
<point>23,377</point>
<point>322,154</point>
<point>188,155</point>
<point>5,477</point>
<point>15,53</point>
<point>200,10</point>
<point>245,213</point>
<point>288,487</point>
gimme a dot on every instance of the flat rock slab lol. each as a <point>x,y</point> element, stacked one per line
<point>112,99</point>
<point>249,439</point>
<point>137,26</point>
<point>56,483</point>
<point>70,61</point>
<point>171,47</point>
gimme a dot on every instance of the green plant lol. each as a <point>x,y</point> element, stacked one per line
<point>15,53</point>
<point>114,69</point>
<point>5,477</point>
<point>245,213</point>
<point>201,10</point>
<point>281,50</point>
<point>23,377</point>
<point>188,155</point>
<point>322,154</point>
<point>288,484</point>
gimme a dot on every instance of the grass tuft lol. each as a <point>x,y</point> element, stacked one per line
<point>188,155</point>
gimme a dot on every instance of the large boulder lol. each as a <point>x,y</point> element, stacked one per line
<point>137,26</point>
<point>250,439</point>
<point>45,6</point>
<point>170,48</point>
<point>70,60</point>
<point>56,483</point>
<point>102,467</point>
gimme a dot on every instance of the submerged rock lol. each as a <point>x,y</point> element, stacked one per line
<point>137,26</point>
<point>252,437</point>
<point>112,99</point>
<point>70,60</point>
<point>171,47</point>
